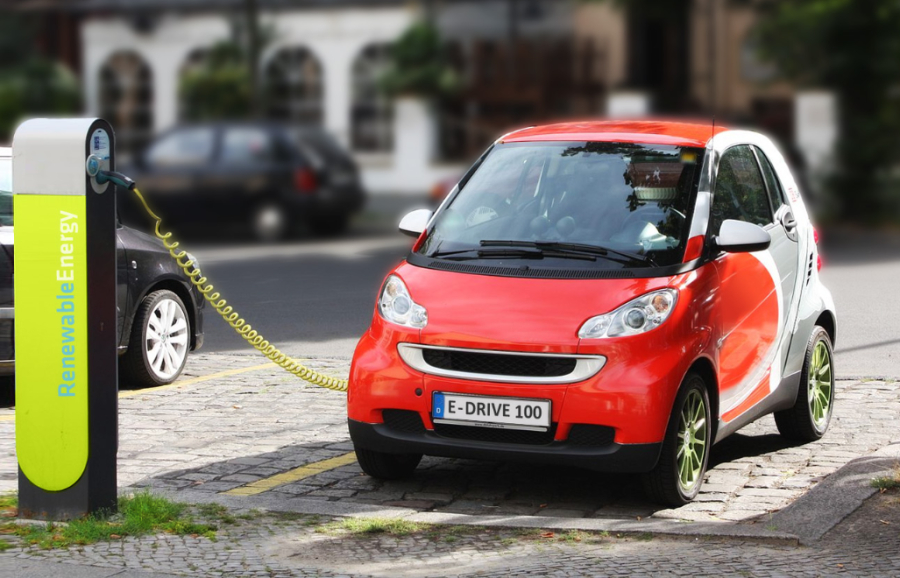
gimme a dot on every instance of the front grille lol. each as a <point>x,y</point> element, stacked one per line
<point>495,435</point>
<point>499,364</point>
<point>403,420</point>
<point>591,435</point>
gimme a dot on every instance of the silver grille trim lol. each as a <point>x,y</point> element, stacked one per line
<point>586,366</point>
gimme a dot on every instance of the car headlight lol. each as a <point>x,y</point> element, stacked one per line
<point>637,316</point>
<point>397,306</point>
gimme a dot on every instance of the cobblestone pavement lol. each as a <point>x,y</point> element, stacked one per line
<point>866,544</point>
<point>252,421</point>
<point>208,437</point>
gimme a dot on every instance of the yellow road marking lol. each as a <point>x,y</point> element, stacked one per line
<point>295,475</point>
<point>191,381</point>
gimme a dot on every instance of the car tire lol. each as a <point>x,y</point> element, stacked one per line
<point>385,466</point>
<point>679,473</point>
<point>810,416</point>
<point>270,222</point>
<point>159,343</point>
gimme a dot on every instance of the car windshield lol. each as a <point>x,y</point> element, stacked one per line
<point>617,204</point>
<point>6,210</point>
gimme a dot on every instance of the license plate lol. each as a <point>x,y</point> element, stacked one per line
<point>496,412</point>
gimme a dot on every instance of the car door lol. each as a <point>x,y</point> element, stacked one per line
<point>749,308</point>
<point>123,271</point>
<point>248,168</point>
<point>174,168</point>
<point>785,246</point>
<point>7,311</point>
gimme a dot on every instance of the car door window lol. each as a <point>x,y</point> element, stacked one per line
<point>6,209</point>
<point>246,146</point>
<point>190,147</point>
<point>773,185</point>
<point>740,192</point>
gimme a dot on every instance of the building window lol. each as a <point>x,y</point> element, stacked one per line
<point>196,60</point>
<point>372,112</point>
<point>293,79</point>
<point>126,100</point>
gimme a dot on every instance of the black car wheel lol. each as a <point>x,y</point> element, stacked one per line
<point>160,340</point>
<point>808,419</point>
<point>270,222</point>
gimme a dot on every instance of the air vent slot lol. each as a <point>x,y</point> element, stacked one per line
<point>809,267</point>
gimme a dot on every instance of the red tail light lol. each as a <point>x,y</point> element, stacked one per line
<point>305,180</point>
<point>819,262</point>
<point>815,236</point>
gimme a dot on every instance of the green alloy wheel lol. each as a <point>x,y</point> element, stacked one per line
<point>820,385</point>
<point>679,473</point>
<point>692,438</point>
<point>808,419</point>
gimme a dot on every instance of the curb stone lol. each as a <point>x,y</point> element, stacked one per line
<point>812,515</point>
<point>804,521</point>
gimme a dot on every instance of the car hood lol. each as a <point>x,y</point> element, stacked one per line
<point>538,315</point>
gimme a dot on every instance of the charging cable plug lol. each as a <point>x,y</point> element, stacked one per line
<point>116,179</point>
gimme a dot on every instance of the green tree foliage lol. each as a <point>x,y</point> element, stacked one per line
<point>853,48</point>
<point>219,88</point>
<point>418,64</point>
<point>30,85</point>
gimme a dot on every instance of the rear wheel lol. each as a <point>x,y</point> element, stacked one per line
<point>386,466</point>
<point>678,475</point>
<point>809,418</point>
<point>270,222</point>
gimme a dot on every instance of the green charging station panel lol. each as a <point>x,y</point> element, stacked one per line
<point>51,349</point>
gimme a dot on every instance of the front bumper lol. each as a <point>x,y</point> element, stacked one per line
<point>611,457</point>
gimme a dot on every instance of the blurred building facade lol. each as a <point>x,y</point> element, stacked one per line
<point>520,62</point>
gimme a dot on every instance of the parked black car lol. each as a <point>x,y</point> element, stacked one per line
<point>160,314</point>
<point>266,176</point>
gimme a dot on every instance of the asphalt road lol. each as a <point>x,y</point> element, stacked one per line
<point>308,298</point>
<point>315,298</point>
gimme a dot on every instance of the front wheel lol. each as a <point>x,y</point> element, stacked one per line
<point>160,340</point>
<point>386,466</point>
<point>678,475</point>
<point>809,418</point>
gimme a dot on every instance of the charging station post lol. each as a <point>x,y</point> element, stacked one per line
<point>66,322</point>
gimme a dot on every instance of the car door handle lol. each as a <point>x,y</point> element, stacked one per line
<point>789,222</point>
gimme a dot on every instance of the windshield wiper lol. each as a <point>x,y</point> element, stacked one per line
<point>574,248</point>
<point>523,253</point>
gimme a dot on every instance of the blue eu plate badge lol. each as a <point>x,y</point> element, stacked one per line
<point>438,405</point>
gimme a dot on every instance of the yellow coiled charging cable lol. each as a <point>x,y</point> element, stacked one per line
<point>232,317</point>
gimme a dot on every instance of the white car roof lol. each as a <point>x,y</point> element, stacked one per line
<point>5,152</point>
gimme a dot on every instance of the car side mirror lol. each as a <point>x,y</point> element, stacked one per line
<point>742,237</point>
<point>415,222</point>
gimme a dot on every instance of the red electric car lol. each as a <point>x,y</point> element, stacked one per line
<point>612,295</point>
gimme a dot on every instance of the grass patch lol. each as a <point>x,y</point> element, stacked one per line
<point>368,526</point>
<point>573,536</point>
<point>889,482</point>
<point>138,515</point>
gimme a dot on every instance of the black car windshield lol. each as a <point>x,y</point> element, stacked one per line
<point>617,204</point>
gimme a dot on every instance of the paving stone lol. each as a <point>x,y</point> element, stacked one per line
<point>191,442</point>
